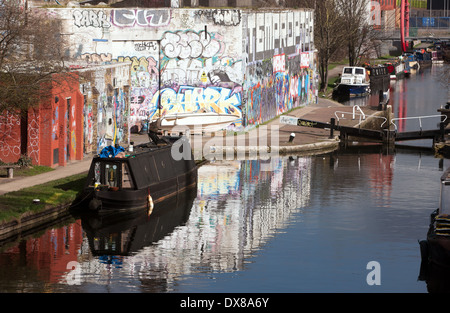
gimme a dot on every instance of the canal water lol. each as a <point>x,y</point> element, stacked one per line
<point>347,221</point>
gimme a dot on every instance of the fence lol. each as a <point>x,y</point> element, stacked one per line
<point>429,22</point>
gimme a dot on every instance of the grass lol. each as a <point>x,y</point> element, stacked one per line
<point>27,171</point>
<point>51,194</point>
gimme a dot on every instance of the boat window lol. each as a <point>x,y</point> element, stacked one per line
<point>127,181</point>
<point>359,71</point>
<point>111,175</point>
<point>347,70</point>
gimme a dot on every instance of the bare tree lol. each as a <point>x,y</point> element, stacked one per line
<point>328,32</point>
<point>31,53</point>
<point>359,33</point>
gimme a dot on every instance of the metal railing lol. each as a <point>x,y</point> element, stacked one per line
<point>418,118</point>
<point>361,115</point>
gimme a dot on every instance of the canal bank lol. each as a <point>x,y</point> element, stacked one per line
<point>273,138</point>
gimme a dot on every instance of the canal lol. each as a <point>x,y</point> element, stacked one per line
<point>347,221</point>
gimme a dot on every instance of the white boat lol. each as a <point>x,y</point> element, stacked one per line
<point>354,81</point>
<point>195,121</point>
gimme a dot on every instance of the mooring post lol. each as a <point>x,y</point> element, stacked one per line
<point>380,100</point>
<point>332,124</point>
<point>389,136</point>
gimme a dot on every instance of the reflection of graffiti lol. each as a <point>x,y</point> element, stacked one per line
<point>191,99</point>
<point>140,17</point>
<point>91,18</point>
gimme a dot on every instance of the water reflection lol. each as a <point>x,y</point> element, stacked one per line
<point>124,233</point>
<point>238,207</point>
<point>296,224</point>
<point>34,264</point>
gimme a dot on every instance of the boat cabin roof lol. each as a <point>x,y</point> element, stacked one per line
<point>146,164</point>
<point>353,70</point>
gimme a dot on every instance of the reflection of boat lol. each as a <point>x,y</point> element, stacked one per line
<point>354,82</point>
<point>140,178</point>
<point>435,250</point>
<point>124,233</point>
<point>195,121</point>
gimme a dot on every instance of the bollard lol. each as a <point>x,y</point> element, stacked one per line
<point>332,124</point>
<point>291,137</point>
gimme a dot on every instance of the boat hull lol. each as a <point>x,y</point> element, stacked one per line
<point>204,122</point>
<point>150,174</point>
<point>353,90</point>
<point>141,198</point>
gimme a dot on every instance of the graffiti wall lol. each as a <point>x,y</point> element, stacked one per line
<point>10,141</point>
<point>280,74</point>
<point>106,107</point>
<point>185,60</point>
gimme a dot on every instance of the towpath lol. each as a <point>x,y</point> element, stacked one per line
<point>307,140</point>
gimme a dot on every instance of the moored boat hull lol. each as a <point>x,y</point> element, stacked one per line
<point>153,173</point>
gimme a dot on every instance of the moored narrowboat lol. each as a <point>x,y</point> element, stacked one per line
<point>435,250</point>
<point>354,82</point>
<point>147,174</point>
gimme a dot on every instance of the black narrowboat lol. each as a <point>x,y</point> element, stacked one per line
<point>435,250</point>
<point>139,177</point>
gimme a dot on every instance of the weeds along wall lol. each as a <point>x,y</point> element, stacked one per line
<point>253,64</point>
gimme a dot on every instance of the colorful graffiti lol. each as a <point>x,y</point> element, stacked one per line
<point>204,65</point>
<point>198,58</point>
<point>111,116</point>
<point>106,107</point>
<point>272,95</point>
<point>193,99</point>
<point>140,17</point>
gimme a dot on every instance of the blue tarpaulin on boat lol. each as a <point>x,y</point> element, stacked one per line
<point>111,152</point>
